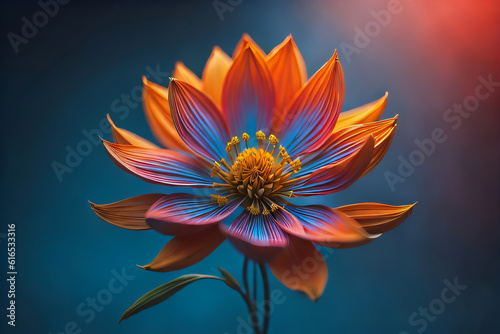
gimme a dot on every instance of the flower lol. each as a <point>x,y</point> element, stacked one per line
<point>254,132</point>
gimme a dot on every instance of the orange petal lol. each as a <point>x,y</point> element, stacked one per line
<point>310,118</point>
<point>243,43</point>
<point>248,94</point>
<point>214,74</point>
<point>159,117</point>
<point>181,72</point>
<point>183,252</point>
<point>343,142</point>
<point>369,112</point>
<point>288,71</point>
<point>382,132</point>
<point>125,137</point>
<point>301,267</point>
<point>128,213</point>
<point>377,218</point>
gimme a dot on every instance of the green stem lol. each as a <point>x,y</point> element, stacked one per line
<point>245,277</point>
<point>255,282</point>
<point>267,307</point>
<point>252,309</point>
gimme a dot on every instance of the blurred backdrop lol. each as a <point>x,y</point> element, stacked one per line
<point>439,61</point>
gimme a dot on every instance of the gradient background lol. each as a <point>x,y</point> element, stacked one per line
<point>64,80</point>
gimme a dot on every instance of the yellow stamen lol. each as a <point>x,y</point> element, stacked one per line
<point>253,210</point>
<point>273,140</point>
<point>285,156</point>
<point>229,150</point>
<point>215,169</point>
<point>221,200</point>
<point>245,138</point>
<point>296,165</point>
<point>223,161</point>
<point>262,138</point>
<point>235,142</point>
<point>254,173</point>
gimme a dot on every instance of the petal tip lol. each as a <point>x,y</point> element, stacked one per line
<point>145,267</point>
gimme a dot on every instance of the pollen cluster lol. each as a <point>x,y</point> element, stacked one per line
<point>256,174</point>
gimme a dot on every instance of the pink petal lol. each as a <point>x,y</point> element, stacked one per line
<point>198,121</point>
<point>328,227</point>
<point>248,95</point>
<point>161,166</point>
<point>257,236</point>
<point>185,214</point>
<point>336,176</point>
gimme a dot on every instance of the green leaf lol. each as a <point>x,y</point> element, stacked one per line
<point>230,280</point>
<point>163,292</point>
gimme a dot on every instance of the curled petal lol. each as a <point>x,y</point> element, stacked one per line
<point>129,213</point>
<point>375,217</point>
<point>198,121</point>
<point>367,113</point>
<point>248,93</point>
<point>301,267</point>
<point>181,72</point>
<point>185,214</point>
<point>184,251</point>
<point>311,117</point>
<point>257,236</point>
<point>245,41</point>
<point>336,176</point>
<point>125,137</point>
<point>214,74</point>
<point>159,117</point>
<point>287,221</point>
<point>289,74</point>
<point>161,166</point>
<point>328,227</point>
<point>342,143</point>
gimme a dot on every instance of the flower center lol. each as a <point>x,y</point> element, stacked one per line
<point>256,173</point>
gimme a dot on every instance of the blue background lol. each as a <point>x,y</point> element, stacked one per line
<point>66,78</point>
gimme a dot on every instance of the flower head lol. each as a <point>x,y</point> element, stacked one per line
<point>254,132</point>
